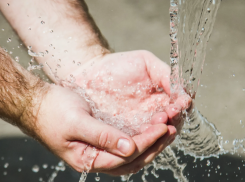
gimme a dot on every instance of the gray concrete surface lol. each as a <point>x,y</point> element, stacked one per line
<point>142,24</point>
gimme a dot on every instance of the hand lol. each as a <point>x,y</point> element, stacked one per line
<point>65,125</point>
<point>132,85</point>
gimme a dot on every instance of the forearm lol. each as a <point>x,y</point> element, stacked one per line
<point>20,94</point>
<point>62,29</point>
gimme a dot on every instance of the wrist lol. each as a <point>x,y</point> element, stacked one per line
<point>28,119</point>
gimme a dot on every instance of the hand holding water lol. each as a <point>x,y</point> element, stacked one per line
<point>65,122</point>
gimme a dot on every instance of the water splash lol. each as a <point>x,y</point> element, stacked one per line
<point>58,168</point>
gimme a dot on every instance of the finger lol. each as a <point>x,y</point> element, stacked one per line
<point>143,142</point>
<point>102,136</point>
<point>184,101</point>
<point>148,156</point>
<point>159,118</point>
<point>158,71</point>
<point>174,114</point>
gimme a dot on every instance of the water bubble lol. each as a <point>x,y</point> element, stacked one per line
<point>208,163</point>
<point>35,168</point>
<point>6,165</point>
<point>42,22</point>
<point>45,166</point>
<point>97,178</point>
<point>17,59</point>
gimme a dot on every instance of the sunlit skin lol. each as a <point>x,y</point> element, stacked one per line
<point>125,71</point>
<point>65,122</point>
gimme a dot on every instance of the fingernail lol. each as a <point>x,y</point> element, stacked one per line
<point>123,146</point>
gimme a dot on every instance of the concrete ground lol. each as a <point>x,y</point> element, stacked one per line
<point>142,24</point>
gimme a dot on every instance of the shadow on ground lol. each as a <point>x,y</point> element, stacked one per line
<point>23,153</point>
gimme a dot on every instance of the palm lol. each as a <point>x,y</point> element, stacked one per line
<point>132,85</point>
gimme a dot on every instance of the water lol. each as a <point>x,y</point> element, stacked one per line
<point>190,28</point>
<point>187,64</point>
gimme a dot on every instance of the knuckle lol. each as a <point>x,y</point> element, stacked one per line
<point>103,139</point>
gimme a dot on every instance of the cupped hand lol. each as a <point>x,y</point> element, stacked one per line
<point>66,126</point>
<point>133,89</point>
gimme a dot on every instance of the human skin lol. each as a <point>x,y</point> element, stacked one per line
<point>61,133</point>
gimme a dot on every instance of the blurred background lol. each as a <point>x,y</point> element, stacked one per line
<point>142,24</point>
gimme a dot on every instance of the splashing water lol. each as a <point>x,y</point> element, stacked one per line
<point>191,24</point>
<point>198,138</point>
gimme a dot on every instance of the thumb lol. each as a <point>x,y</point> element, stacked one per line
<point>104,137</point>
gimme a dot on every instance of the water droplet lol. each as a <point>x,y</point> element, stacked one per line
<point>29,28</point>
<point>5,173</point>
<point>58,66</point>
<point>46,51</point>
<point>208,163</point>
<point>21,158</point>
<point>19,170</point>
<point>78,64</point>
<point>42,22</point>
<point>8,4</point>
<point>40,179</point>
<point>51,31</point>
<point>50,45</point>
<point>208,10</point>
<point>35,168</point>
<point>45,166</point>
<point>9,40</point>
<point>233,75</point>
<point>240,121</point>
<point>17,59</point>
<point>2,29</point>
<point>6,165</point>
<point>66,51</point>
<point>227,141</point>
<point>74,61</point>
<point>97,178</point>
